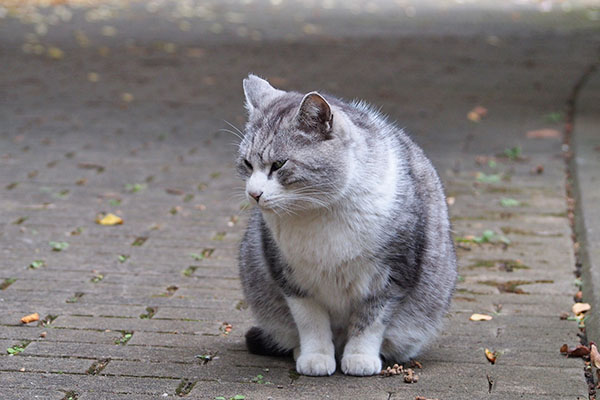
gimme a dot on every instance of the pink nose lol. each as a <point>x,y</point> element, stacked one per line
<point>255,195</point>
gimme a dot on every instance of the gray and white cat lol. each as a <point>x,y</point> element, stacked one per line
<point>349,250</point>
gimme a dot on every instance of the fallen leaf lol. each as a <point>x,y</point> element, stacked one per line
<point>473,116</point>
<point>477,113</point>
<point>577,351</point>
<point>109,219</point>
<point>579,308</point>
<point>226,328</point>
<point>58,246</point>
<point>543,134</point>
<point>480,317</point>
<point>594,355</point>
<point>127,97</point>
<point>55,53</point>
<point>491,355</point>
<point>30,318</point>
<point>539,169</point>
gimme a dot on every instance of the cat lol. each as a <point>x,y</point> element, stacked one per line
<point>348,253</point>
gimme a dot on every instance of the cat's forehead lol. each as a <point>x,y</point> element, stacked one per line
<point>276,113</point>
<point>271,128</point>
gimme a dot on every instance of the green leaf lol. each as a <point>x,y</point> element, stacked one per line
<point>513,152</point>
<point>123,257</point>
<point>219,236</point>
<point>135,187</point>
<point>37,264</point>
<point>197,256</point>
<point>59,246</point>
<point>485,178</point>
<point>238,397</point>
<point>508,202</point>
<point>554,117</point>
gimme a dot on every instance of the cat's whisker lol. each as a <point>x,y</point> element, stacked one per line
<point>232,132</point>
<point>234,127</point>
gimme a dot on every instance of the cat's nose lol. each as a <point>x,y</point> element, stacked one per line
<point>255,195</point>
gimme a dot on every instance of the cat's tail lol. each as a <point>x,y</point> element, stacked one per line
<point>260,342</point>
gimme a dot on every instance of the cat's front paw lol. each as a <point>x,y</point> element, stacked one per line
<point>361,364</point>
<point>315,364</point>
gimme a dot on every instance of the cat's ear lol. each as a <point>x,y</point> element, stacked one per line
<point>315,113</point>
<point>258,92</point>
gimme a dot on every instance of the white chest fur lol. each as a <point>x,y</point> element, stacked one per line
<point>330,250</point>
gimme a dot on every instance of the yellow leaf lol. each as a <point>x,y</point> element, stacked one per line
<point>579,308</point>
<point>55,53</point>
<point>30,318</point>
<point>473,116</point>
<point>491,356</point>
<point>480,317</point>
<point>109,219</point>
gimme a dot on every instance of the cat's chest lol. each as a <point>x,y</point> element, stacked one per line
<point>328,241</point>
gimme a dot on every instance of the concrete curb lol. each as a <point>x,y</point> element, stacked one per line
<point>586,163</point>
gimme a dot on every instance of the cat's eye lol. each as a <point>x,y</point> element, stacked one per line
<point>247,164</point>
<point>277,165</point>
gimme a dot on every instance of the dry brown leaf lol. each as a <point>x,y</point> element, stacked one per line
<point>30,318</point>
<point>594,355</point>
<point>564,315</point>
<point>577,351</point>
<point>543,134</point>
<point>109,219</point>
<point>480,317</point>
<point>491,355</point>
<point>579,308</point>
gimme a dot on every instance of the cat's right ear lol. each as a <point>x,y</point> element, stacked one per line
<point>258,92</point>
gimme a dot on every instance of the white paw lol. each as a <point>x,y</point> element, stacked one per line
<point>315,364</point>
<point>361,364</point>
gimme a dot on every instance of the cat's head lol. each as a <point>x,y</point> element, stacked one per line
<point>294,155</point>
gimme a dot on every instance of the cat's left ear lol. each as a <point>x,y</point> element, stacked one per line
<point>315,113</point>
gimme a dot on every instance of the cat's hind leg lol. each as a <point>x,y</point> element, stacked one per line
<point>263,343</point>
<point>406,338</point>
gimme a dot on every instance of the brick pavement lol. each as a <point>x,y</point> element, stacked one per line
<point>153,322</point>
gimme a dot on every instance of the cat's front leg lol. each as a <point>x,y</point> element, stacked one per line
<point>317,352</point>
<point>361,353</point>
